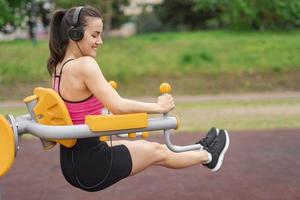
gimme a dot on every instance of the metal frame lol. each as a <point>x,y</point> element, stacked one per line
<point>26,124</point>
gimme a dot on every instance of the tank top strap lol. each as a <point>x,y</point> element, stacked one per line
<point>57,77</point>
<point>62,67</point>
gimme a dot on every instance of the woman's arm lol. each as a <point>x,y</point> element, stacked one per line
<point>100,88</point>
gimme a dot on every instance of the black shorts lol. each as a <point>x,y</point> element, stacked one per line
<point>92,165</point>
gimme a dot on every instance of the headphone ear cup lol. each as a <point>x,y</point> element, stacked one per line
<point>76,33</point>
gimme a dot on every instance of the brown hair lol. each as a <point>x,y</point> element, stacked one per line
<point>59,26</point>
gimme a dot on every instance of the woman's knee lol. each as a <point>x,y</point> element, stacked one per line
<point>154,150</point>
<point>158,151</point>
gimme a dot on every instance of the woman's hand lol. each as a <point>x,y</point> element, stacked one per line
<point>166,103</point>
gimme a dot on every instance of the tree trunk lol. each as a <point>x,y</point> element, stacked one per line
<point>108,15</point>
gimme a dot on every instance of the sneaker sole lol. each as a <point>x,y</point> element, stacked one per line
<point>220,161</point>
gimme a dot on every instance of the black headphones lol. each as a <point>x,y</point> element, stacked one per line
<point>76,32</point>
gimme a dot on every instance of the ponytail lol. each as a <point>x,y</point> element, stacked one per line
<point>57,41</point>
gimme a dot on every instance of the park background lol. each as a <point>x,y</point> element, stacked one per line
<point>233,64</point>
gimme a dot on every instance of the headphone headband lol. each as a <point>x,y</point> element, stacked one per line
<point>76,32</point>
<point>77,15</point>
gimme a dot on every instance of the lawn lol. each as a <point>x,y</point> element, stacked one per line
<point>201,114</point>
<point>194,62</point>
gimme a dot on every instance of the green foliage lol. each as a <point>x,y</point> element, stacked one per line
<point>143,54</point>
<point>263,15</point>
<point>148,22</point>
<point>68,4</point>
<point>8,9</point>
<point>240,14</point>
<point>6,14</point>
<point>181,15</point>
<point>15,11</point>
<point>195,59</point>
<point>211,61</point>
<point>110,9</point>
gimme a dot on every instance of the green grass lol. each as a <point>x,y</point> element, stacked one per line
<point>212,52</point>
<point>21,62</point>
<point>255,114</point>
<point>13,110</point>
<point>240,114</point>
<point>206,61</point>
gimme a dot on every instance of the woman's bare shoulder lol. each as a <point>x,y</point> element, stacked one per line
<point>87,61</point>
<point>87,66</point>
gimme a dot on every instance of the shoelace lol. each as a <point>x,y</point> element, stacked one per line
<point>206,139</point>
<point>214,147</point>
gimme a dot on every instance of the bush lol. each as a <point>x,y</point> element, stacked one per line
<point>237,14</point>
<point>148,22</point>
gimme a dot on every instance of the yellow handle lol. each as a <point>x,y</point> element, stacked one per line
<point>113,84</point>
<point>30,98</point>
<point>132,135</point>
<point>165,88</point>
<point>103,138</point>
<point>145,135</point>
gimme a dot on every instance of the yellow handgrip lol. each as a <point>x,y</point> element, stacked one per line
<point>113,84</point>
<point>165,88</point>
<point>145,135</point>
<point>132,135</point>
<point>30,98</point>
<point>103,138</point>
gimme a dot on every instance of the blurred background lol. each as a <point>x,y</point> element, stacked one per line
<point>232,63</point>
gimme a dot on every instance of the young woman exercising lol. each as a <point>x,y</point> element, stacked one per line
<point>92,165</point>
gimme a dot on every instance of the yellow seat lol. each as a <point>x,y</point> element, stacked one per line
<point>7,146</point>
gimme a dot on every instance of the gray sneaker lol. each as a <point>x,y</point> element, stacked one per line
<point>210,137</point>
<point>218,149</point>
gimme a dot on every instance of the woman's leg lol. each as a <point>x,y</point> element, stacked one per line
<point>145,154</point>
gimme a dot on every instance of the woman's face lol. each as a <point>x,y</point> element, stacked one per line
<point>92,36</point>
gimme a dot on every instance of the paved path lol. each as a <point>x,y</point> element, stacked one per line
<point>260,165</point>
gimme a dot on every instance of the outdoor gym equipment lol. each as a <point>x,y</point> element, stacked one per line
<point>49,120</point>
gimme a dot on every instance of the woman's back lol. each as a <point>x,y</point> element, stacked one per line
<point>70,87</point>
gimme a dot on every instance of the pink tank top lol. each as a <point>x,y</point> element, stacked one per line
<point>78,109</point>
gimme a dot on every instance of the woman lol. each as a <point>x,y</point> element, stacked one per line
<point>92,165</point>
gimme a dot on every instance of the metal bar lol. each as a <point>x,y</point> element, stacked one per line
<point>26,124</point>
<point>83,131</point>
<point>178,149</point>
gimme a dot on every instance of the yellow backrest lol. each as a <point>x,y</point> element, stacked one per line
<point>51,110</point>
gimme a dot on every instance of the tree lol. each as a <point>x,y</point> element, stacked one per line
<point>238,14</point>
<point>183,15</point>
<point>8,10</point>
<point>6,14</point>
<point>255,14</point>
<point>17,11</point>
<point>111,9</point>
